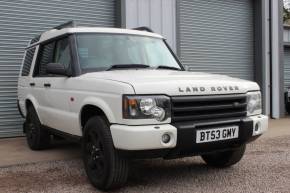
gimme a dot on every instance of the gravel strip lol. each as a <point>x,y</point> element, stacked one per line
<point>265,168</point>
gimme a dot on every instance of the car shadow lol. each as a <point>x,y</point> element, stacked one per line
<point>158,172</point>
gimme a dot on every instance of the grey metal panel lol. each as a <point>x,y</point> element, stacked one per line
<point>277,64</point>
<point>156,14</point>
<point>217,36</point>
<point>262,51</point>
<point>286,68</point>
<point>20,21</point>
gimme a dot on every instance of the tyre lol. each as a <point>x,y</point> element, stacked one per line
<point>288,109</point>
<point>287,103</point>
<point>105,168</point>
<point>224,159</point>
<point>37,137</point>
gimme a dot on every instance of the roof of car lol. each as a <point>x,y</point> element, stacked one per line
<point>54,33</point>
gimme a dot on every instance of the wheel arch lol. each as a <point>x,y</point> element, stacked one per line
<point>31,101</point>
<point>93,107</point>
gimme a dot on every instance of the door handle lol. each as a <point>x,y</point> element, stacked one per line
<point>32,84</point>
<point>46,84</point>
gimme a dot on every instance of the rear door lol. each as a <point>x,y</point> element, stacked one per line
<point>24,80</point>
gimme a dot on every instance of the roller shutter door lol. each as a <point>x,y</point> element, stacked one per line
<point>217,36</point>
<point>286,67</point>
<point>20,21</point>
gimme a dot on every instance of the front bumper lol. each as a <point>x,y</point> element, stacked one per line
<point>148,138</point>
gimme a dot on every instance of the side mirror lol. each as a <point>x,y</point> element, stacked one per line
<point>57,69</point>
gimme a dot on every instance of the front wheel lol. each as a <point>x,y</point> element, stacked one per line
<point>225,158</point>
<point>104,167</point>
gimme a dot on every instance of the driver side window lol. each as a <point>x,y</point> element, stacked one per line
<point>62,53</point>
<point>53,52</point>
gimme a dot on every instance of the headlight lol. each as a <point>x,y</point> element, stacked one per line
<point>254,103</point>
<point>146,107</point>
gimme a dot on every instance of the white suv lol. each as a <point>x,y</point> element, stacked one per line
<point>124,94</point>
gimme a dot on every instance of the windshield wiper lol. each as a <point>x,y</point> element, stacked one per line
<point>121,66</point>
<point>168,67</point>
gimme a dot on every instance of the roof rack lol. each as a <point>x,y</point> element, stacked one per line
<point>66,25</point>
<point>144,28</point>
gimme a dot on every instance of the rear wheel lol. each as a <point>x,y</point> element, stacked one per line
<point>104,167</point>
<point>37,137</point>
<point>224,159</point>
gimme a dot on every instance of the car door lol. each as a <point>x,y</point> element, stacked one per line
<point>57,95</point>
<point>39,78</point>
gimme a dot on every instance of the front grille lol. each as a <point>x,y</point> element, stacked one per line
<point>195,108</point>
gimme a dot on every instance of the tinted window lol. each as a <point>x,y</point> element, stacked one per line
<point>54,52</point>
<point>62,53</point>
<point>45,57</point>
<point>27,61</point>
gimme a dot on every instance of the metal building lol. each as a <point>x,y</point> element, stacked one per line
<point>240,38</point>
<point>20,21</point>
<point>286,40</point>
<point>225,29</point>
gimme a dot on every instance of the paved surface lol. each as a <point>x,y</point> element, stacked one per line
<point>278,127</point>
<point>265,168</point>
<point>16,150</point>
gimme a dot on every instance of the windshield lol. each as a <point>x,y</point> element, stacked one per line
<point>99,52</point>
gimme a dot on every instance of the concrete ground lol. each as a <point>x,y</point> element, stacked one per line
<point>16,150</point>
<point>278,127</point>
<point>265,168</point>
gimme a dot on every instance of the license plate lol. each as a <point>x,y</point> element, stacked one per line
<point>217,134</point>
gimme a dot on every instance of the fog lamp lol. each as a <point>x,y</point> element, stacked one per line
<point>166,138</point>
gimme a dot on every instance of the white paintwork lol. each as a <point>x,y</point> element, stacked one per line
<point>148,81</point>
<point>106,89</point>
<point>148,137</point>
<point>262,120</point>
<point>143,137</point>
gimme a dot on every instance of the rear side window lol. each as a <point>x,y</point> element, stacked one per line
<point>27,61</point>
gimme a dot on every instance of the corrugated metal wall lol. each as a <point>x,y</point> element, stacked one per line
<point>286,67</point>
<point>217,36</point>
<point>160,15</point>
<point>21,20</point>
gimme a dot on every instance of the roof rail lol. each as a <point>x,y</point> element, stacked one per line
<point>144,28</point>
<point>35,39</point>
<point>66,25</point>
